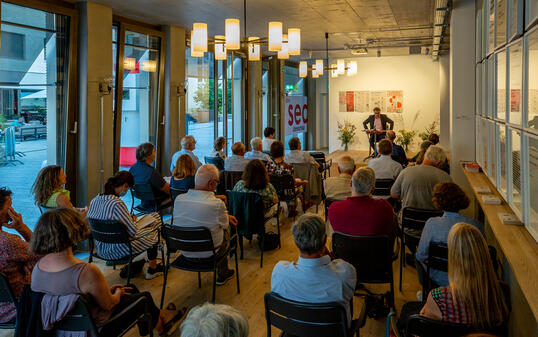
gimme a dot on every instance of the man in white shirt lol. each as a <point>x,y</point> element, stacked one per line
<point>256,151</point>
<point>268,138</point>
<point>385,167</point>
<point>314,278</point>
<point>199,207</point>
<point>296,156</point>
<point>339,188</point>
<point>236,162</point>
<point>188,143</point>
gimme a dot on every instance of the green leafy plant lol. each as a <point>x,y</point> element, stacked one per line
<point>346,133</point>
<point>405,138</point>
<point>432,128</point>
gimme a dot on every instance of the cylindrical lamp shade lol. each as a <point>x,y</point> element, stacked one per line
<point>319,67</point>
<point>334,71</point>
<point>199,37</point>
<point>220,49</point>
<point>129,63</point>
<point>352,68</point>
<point>253,49</point>
<point>196,54</point>
<point>341,67</point>
<point>275,36</point>
<point>150,66</point>
<point>294,41</point>
<point>314,72</point>
<point>303,69</point>
<point>232,32</point>
<point>283,53</point>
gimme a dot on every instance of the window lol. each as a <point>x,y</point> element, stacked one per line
<point>500,23</point>
<point>531,51</point>
<point>531,11</point>
<point>491,26</point>
<point>294,86</point>
<point>502,156</point>
<point>515,195</point>
<point>516,18</point>
<point>501,85</point>
<point>235,120</point>
<point>515,81</point>
<point>532,170</point>
<point>12,46</point>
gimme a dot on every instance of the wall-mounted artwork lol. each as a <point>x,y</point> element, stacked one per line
<point>366,101</point>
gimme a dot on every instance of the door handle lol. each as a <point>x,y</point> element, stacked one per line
<point>75,128</point>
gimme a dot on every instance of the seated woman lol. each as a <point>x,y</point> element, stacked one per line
<point>419,157</point>
<point>59,272</point>
<point>16,262</point>
<point>220,143</point>
<point>48,189</point>
<point>278,166</point>
<point>109,206</point>
<point>256,180</point>
<point>475,296</point>
<point>449,198</point>
<point>183,174</point>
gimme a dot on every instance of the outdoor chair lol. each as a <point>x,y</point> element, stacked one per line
<point>217,161</point>
<point>144,192</point>
<point>6,296</point>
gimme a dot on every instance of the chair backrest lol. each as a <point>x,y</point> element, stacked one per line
<point>421,326</point>
<point>143,192</point>
<point>438,256</point>
<point>6,295</point>
<point>174,192</point>
<point>228,179</point>
<point>109,231</point>
<point>415,218</point>
<point>217,161</point>
<point>383,186</point>
<point>249,209</point>
<point>189,239</point>
<point>282,183</point>
<point>78,319</point>
<point>327,203</point>
<point>305,319</point>
<point>370,255</point>
<point>318,156</point>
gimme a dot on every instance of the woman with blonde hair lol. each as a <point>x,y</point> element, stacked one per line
<point>218,146</point>
<point>474,296</point>
<point>183,174</point>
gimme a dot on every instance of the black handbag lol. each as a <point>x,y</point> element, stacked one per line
<point>270,241</point>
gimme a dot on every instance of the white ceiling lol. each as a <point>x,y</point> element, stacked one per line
<point>398,23</point>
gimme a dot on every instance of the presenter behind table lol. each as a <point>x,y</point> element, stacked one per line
<point>377,127</point>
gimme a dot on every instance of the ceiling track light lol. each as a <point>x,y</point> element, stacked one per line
<point>336,69</point>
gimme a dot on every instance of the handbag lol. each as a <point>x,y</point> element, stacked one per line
<point>271,240</point>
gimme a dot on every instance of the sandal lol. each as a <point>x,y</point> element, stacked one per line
<point>171,326</point>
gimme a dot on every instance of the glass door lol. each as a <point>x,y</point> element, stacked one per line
<point>235,101</point>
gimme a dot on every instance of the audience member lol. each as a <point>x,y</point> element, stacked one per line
<point>339,187</point>
<point>449,198</point>
<point>277,165</point>
<point>398,152</point>
<point>256,151</point>
<point>144,237</point>
<point>60,273</point>
<point>296,156</point>
<point>200,207</point>
<point>218,146</point>
<point>419,157</point>
<point>214,320</point>
<point>434,138</point>
<point>384,166</point>
<point>188,144</point>
<point>256,180</point>
<point>415,184</point>
<point>237,161</point>
<point>49,191</point>
<point>183,174</point>
<point>144,173</point>
<point>15,260</point>
<point>268,138</point>
<point>314,278</point>
<point>475,295</point>
<point>360,214</point>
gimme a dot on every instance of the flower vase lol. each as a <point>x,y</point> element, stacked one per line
<point>345,147</point>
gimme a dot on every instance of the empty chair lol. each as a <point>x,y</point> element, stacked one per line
<point>382,187</point>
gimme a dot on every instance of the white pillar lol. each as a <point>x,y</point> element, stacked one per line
<point>444,96</point>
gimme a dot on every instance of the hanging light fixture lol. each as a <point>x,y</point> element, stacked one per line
<point>275,36</point>
<point>314,72</point>
<point>199,37</point>
<point>149,65</point>
<point>303,69</point>
<point>196,54</point>
<point>253,49</point>
<point>294,41</point>
<point>283,53</point>
<point>232,32</point>
<point>352,68</point>
<point>129,63</point>
<point>341,67</point>
<point>220,49</point>
<point>319,67</point>
<point>334,71</point>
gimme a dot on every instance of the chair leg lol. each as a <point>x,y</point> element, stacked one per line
<point>165,276</point>
<point>263,248</point>
<point>129,269</point>
<point>236,268</point>
<point>241,245</point>
<point>402,251</point>
<point>214,283</point>
<point>199,280</point>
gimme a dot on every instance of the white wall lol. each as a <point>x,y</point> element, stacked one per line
<point>416,75</point>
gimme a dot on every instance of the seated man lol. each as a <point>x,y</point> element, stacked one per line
<point>384,166</point>
<point>361,214</point>
<point>215,320</point>
<point>236,162</point>
<point>296,156</point>
<point>188,144</point>
<point>314,278</point>
<point>414,185</point>
<point>268,138</point>
<point>200,207</point>
<point>144,173</point>
<point>339,188</point>
<point>398,152</point>
<point>256,151</point>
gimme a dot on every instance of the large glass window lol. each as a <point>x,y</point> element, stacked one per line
<point>500,23</point>
<point>531,11</point>
<point>491,26</point>
<point>501,148</point>
<point>532,170</point>
<point>515,82</point>
<point>235,120</point>
<point>515,161</point>
<point>532,79</point>
<point>294,86</point>
<point>34,68</point>
<point>501,85</point>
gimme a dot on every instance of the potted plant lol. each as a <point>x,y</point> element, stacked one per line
<point>346,133</point>
<point>432,128</point>
<point>405,137</point>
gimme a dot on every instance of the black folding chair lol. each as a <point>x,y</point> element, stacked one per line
<point>195,239</point>
<point>371,256</point>
<point>421,326</point>
<point>327,203</point>
<point>228,179</point>
<point>144,192</point>
<point>310,319</point>
<point>382,187</point>
<point>324,166</point>
<point>284,185</point>
<point>217,161</point>
<point>413,221</point>
<point>174,192</point>
<point>6,296</point>
<point>115,232</point>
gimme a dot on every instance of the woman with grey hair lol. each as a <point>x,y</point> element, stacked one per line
<point>214,320</point>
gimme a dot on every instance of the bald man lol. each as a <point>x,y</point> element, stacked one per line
<point>200,207</point>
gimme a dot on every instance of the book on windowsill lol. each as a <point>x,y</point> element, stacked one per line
<point>472,167</point>
<point>509,219</point>
<point>482,190</point>
<point>491,200</point>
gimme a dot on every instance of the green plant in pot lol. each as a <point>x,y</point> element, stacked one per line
<point>405,138</point>
<point>432,128</point>
<point>346,133</point>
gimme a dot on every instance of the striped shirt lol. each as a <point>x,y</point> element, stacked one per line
<point>111,207</point>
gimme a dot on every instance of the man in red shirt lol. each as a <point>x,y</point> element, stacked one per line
<point>361,214</point>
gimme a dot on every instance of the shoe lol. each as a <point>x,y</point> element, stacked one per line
<point>153,273</point>
<point>222,279</point>
<point>419,295</point>
<point>136,267</point>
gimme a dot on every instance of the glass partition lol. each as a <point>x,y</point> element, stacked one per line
<point>501,85</point>
<point>515,82</point>
<point>294,86</point>
<point>515,195</point>
<point>532,170</point>
<point>531,11</point>
<point>501,149</point>
<point>500,23</point>
<point>532,79</point>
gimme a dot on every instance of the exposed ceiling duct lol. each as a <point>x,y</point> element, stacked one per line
<point>441,19</point>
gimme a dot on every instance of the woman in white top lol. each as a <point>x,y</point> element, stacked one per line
<point>218,146</point>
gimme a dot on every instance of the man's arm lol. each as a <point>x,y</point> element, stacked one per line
<point>365,123</point>
<point>391,123</point>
